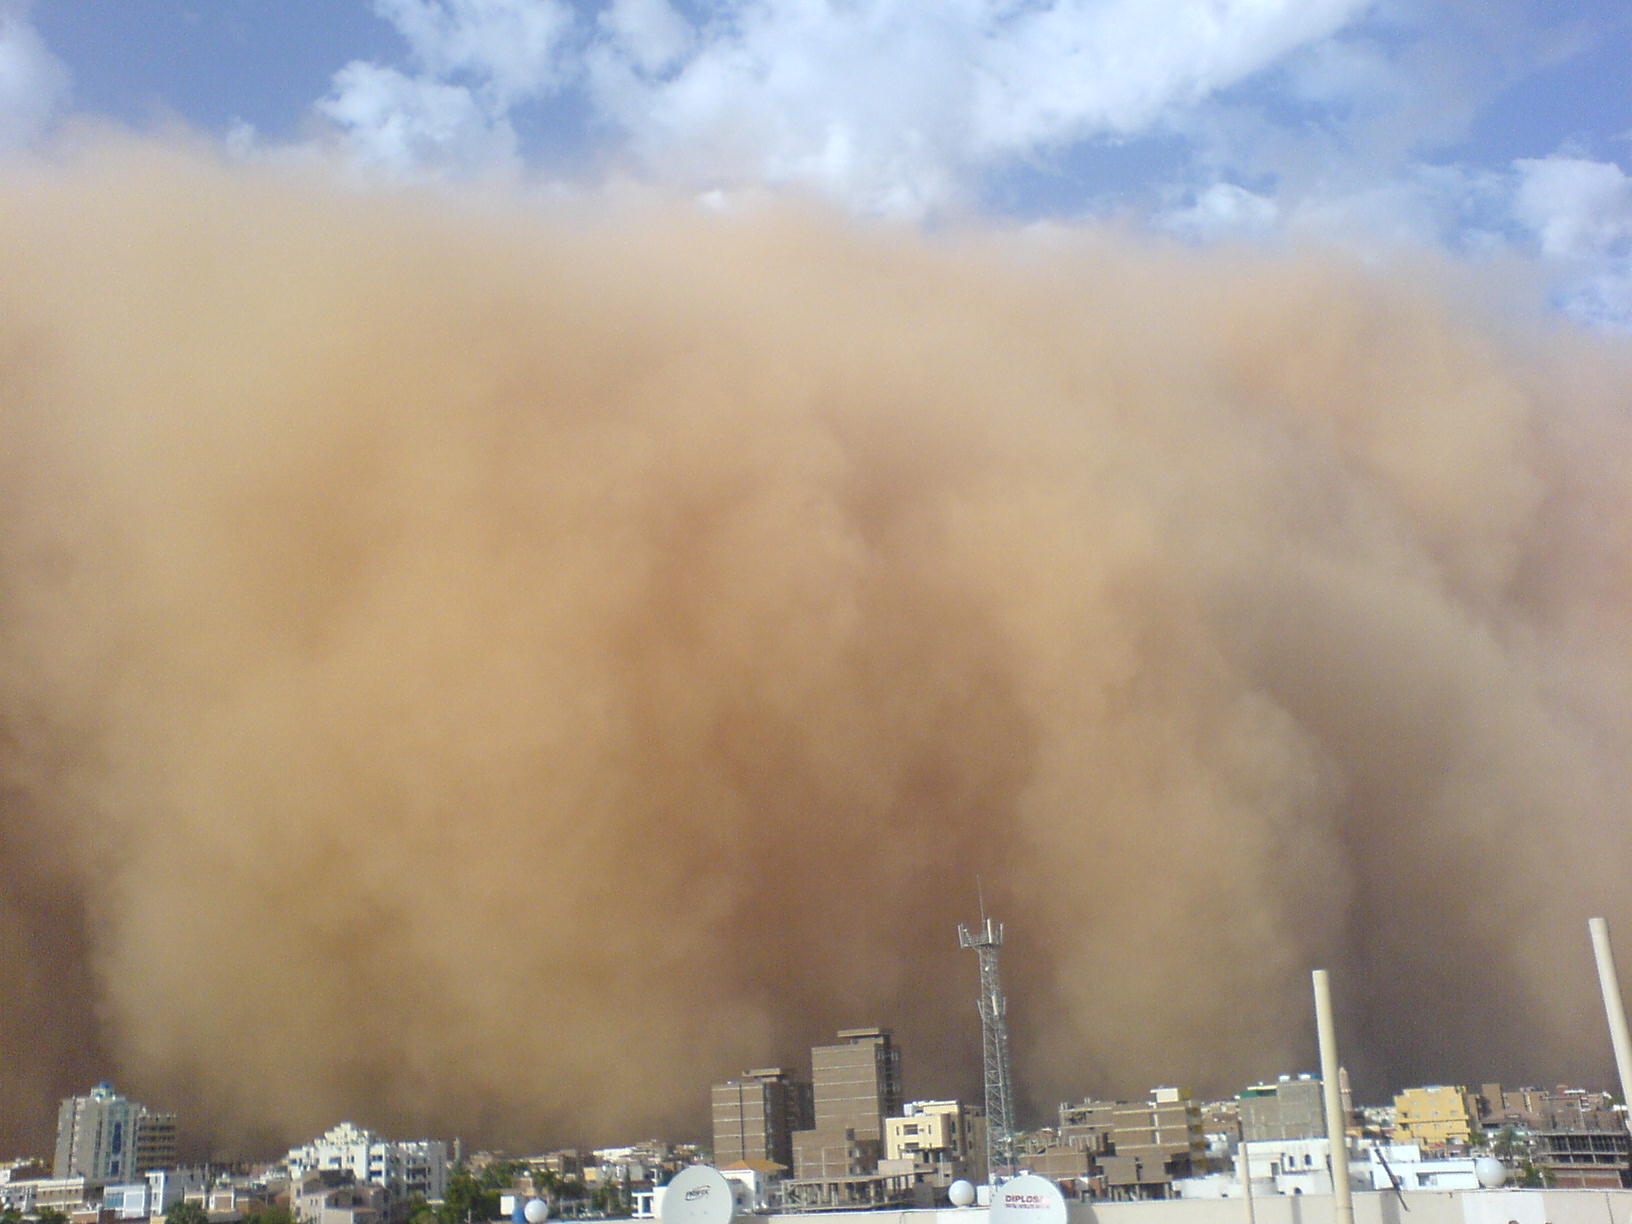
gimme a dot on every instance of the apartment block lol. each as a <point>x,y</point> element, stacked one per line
<point>401,1168</point>
<point>106,1137</point>
<point>1435,1116</point>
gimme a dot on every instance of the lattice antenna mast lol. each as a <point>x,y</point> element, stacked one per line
<point>994,1032</point>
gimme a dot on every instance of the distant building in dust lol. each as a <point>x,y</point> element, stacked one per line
<point>1289,1108</point>
<point>856,1085</point>
<point>106,1137</point>
<point>756,1115</point>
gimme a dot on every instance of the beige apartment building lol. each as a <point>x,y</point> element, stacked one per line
<point>1435,1116</point>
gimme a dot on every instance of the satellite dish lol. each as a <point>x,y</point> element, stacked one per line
<point>1028,1199</point>
<point>961,1193</point>
<point>699,1194</point>
<point>536,1211</point>
<point>1490,1172</point>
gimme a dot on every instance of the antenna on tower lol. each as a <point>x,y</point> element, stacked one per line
<point>994,1034</point>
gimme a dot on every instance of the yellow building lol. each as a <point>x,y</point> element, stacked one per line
<point>1434,1116</point>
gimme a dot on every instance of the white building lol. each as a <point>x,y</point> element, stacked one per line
<point>403,1168</point>
<point>106,1137</point>
<point>162,1190</point>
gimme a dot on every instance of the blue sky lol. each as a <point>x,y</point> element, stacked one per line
<point>1488,128</point>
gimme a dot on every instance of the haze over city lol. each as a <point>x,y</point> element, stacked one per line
<point>543,549</point>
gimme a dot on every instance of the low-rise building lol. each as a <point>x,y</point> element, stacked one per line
<point>1435,1116</point>
<point>401,1168</point>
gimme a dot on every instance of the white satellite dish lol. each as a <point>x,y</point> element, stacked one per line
<point>536,1211</point>
<point>960,1193</point>
<point>699,1194</point>
<point>1028,1199</point>
<point>1490,1172</point>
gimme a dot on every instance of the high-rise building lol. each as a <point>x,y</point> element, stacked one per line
<point>856,1084</point>
<point>756,1114</point>
<point>104,1136</point>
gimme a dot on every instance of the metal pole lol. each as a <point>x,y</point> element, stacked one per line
<point>1614,1011</point>
<point>1332,1096</point>
<point>1243,1169</point>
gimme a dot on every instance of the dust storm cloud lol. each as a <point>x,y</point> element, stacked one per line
<point>479,667</point>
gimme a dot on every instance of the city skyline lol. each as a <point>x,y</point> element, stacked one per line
<point>545,549</point>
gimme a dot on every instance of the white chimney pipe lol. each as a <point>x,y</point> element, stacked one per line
<point>1337,1131</point>
<point>1614,1011</point>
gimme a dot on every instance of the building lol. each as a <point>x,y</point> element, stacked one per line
<point>1289,1108</point>
<point>856,1083</point>
<point>402,1169</point>
<point>756,1115</point>
<point>1436,1116</point>
<point>336,1197</point>
<point>936,1142</point>
<point>855,1086</point>
<point>159,1191</point>
<point>105,1137</point>
<point>1088,1126</point>
<point>1153,1143</point>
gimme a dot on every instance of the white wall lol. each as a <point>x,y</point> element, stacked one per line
<point>1426,1207</point>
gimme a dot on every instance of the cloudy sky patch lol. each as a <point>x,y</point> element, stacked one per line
<point>1483,128</point>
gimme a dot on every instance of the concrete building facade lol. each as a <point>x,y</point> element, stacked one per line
<point>755,1117</point>
<point>401,1168</point>
<point>106,1137</point>
<point>1435,1116</point>
<point>855,1086</point>
<point>1289,1108</point>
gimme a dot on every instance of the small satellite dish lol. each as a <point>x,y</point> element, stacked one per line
<point>699,1194</point>
<point>961,1193</point>
<point>536,1211</point>
<point>1028,1199</point>
<point>1490,1172</point>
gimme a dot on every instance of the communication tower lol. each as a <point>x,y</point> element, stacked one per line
<point>994,1034</point>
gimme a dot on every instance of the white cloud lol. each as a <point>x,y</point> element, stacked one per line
<point>510,48</point>
<point>33,82</point>
<point>897,106</point>
<point>649,34</point>
<point>1580,212</point>
<point>410,124</point>
<point>1224,210</point>
<point>1076,68</point>
<point>1577,208</point>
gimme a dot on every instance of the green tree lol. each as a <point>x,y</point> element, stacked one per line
<point>470,1198</point>
<point>273,1214</point>
<point>186,1212</point>
<point>51,1215</point>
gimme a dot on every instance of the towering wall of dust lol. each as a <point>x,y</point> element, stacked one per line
<point>473,669</point>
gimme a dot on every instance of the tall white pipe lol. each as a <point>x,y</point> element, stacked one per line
<point>1243,1168</point>
<point>1610,983</point>
<point>1337,1131</point>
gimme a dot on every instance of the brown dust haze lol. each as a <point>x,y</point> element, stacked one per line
<point>492,666</point>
